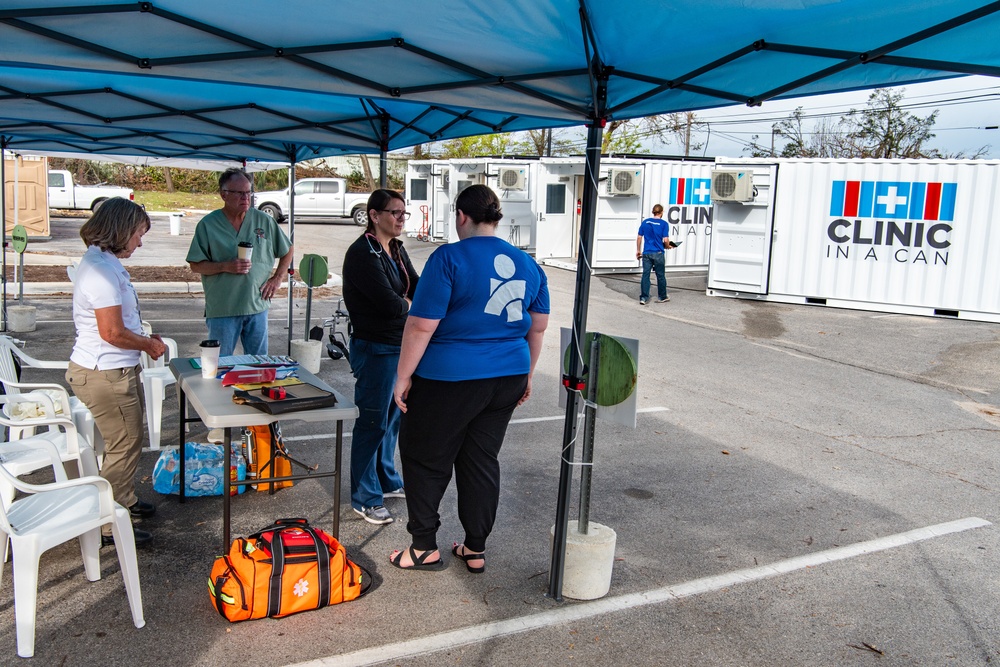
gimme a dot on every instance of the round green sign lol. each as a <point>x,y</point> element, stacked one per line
<point>19,235</point>
<point>616,371</point>
<point>313,270</point>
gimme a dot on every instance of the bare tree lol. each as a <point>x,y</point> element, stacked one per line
<point>885,130</point>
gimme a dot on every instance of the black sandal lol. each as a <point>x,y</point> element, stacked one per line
<point>418,562</point>
<point>469,556</point>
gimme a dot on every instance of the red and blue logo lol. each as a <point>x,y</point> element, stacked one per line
<point>690,191</point>
<point>893,200</point>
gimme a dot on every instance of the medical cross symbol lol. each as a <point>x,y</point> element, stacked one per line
<point>701,192</point>
<point>891,200</point>
<point>301,587</point>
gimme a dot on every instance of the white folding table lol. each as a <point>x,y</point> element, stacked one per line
<point>214,406</point>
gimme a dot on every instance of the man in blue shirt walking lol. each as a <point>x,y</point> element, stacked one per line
<point>653,238</point>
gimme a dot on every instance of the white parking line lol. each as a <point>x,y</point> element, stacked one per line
<point>529,420</point>
<point>478,633</point>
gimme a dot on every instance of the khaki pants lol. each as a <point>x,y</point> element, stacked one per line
<point>116,400</point>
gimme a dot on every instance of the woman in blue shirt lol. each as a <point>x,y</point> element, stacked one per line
<point>470,345</point>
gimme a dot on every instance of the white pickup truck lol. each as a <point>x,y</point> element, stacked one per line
<point>64,193</point>
<point>316,198</point>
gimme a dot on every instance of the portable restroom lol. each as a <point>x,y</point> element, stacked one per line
<point>26,201</point>
<point>918,237</point>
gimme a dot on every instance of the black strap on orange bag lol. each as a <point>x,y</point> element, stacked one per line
<point>278,547</point>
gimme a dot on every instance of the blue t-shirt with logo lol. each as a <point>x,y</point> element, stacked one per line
<point>481,289</point>
<point>653,231</point>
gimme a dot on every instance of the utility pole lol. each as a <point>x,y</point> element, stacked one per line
<point>689,116</point>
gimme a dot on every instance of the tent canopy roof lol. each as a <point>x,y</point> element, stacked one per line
<point>268,80</point>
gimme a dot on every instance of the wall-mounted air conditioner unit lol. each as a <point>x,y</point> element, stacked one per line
<point>732,186</point>
<point>511,178</point>
<point>624,181</point>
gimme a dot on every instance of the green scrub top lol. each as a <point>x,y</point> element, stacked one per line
<point>215,240</point>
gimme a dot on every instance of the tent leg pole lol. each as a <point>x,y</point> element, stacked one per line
<point>595,134</point>
<point>291,239</point>
<point>383,159</point>
<point>3,239</point>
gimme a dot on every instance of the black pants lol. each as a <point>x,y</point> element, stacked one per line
<point>458,425</point>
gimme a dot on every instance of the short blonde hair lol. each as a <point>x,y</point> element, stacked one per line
<point>113,224</point>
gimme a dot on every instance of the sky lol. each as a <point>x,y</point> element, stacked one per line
<point>966,105</point>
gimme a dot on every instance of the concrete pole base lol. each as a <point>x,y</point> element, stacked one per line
<point>589,561</point>
<point>21,318</point>
<point>307,353</point>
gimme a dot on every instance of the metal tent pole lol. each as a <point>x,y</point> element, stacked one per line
<point>3,217</point>
<point>291,239</point>
<point>592,170</point>
<point>383,158</point>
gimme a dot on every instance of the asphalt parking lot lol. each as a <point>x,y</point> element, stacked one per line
<point>804,486</point>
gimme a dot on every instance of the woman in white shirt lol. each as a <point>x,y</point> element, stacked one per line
<point>104,366</point>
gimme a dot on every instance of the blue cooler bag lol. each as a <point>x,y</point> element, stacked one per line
<point>203,470</point>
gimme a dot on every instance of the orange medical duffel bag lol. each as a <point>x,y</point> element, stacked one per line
<point>283,569</point>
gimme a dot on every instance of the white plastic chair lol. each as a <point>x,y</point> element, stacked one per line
<point>55,513</point>
<point>156,377</point>
<point>9,350</point>
<point>26,453</point>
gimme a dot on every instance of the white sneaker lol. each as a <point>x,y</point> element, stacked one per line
<point>398,493</point>
<point>217,435</point>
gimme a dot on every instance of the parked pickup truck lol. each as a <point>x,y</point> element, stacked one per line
<point>64,193</point>
<point>316,198</point>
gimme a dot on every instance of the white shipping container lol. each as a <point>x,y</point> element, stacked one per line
<point>906,236</point>
<point>542,199</point>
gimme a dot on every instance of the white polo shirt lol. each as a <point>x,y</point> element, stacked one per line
<point>102,282</point>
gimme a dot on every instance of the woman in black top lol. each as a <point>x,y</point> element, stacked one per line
<point>379,281</point>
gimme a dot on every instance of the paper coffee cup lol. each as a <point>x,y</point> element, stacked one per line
<point>244,250</point>
<point>209,358</point>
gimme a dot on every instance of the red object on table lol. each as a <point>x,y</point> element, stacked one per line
<point>248,376</point>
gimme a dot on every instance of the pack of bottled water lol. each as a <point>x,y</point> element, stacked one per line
<point>203,470</point>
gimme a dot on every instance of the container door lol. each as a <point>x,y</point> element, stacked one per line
<point>418,203</point>
<point>442,214</point>
<point>740,256</point>
<point>555,230</point>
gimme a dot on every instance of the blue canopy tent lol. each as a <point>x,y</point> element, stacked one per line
<point>392,66</point>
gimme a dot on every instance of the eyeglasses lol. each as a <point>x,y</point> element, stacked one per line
<point>399,215</point>
<point>241,193</point>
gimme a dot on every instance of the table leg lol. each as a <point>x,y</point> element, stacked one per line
<point>226,486</point>
<point>336,479</point>
<point>182,421</point>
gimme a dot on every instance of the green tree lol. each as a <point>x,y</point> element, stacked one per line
<point>625,136</point>
<point>479,146</point>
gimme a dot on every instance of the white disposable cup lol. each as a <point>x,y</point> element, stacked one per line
<point>209,358</point>
<point>244,251</point>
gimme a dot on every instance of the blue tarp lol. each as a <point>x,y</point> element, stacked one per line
<point>272,80</point>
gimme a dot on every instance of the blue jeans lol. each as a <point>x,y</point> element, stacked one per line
<point>373,445</point>
<point>653,260</point>
<point>250,330</point>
